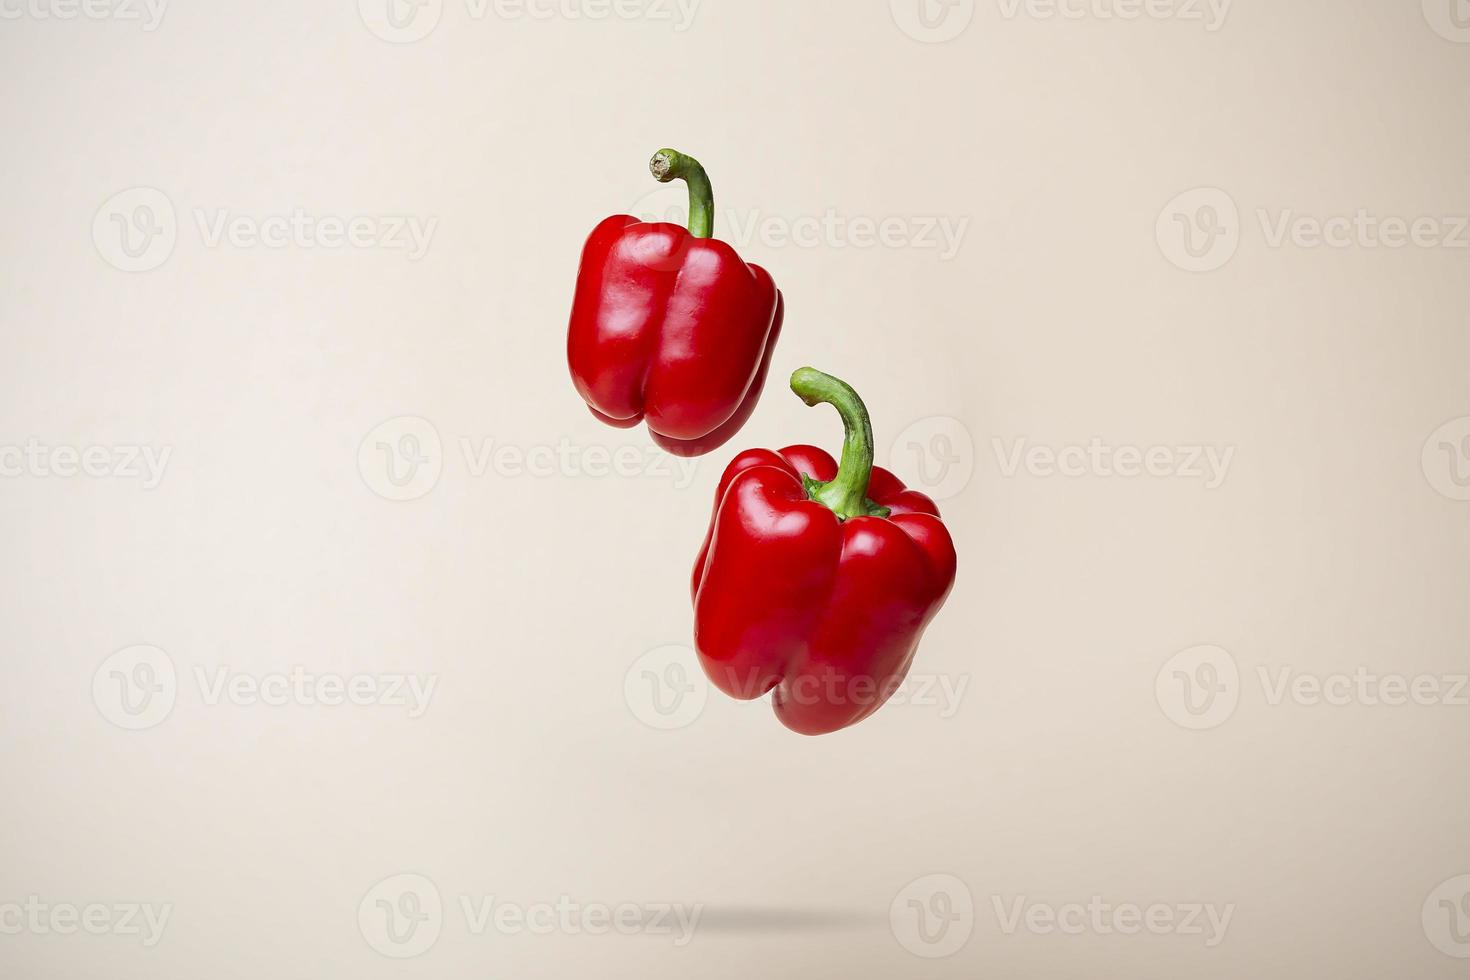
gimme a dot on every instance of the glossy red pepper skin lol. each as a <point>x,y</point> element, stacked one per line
<point>827,613</point>
<point>671,329</point>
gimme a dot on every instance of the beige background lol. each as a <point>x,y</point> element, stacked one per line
<point>1334,544</point>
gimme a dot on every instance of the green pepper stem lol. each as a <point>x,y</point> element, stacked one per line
<point>668,165</point>
<point>847,493</point>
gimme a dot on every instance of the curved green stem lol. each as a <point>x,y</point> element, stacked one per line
<point>847,493</point>
<point>668,165</point>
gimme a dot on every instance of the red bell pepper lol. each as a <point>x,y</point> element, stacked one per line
<point>670,325</point>
<point>817,580</point>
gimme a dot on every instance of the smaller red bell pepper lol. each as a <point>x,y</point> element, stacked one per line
<point>816,580</point>
<point>670,325</point>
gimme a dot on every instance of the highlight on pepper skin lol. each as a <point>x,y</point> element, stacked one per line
<point>669,325</point>
<point>817,579</point>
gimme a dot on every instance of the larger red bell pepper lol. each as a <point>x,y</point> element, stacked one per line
<point>670,325</point>
<point>817,580</point>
